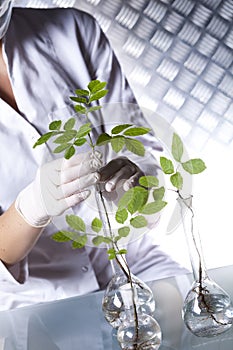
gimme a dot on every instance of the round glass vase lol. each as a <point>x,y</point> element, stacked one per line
<point>207,309</point>
<point>138,331</point>
<point>113,304</point>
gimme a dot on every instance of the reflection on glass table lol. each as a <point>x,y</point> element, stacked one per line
<point>78,323</point>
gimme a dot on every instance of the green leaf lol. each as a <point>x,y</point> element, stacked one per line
<point>122,251</point>
<point>103,139</point>
<point>62,147</point>
<point>96,225</point>
<point>133,199</point>
<point>55,125</point>
<point>121,215</point>
<point>84,130</point>
<point>177,147</point>
<point>135,146</point>
<point>94,108</point>
<point>107,240</point>
<point>153,207</point>
<point>66,136</point>
<point>139,199</point>
<point>158,193</point>
<point>65,236</point>
<point>80,242</point>
<point>149,181</point>
<point>117,143</point>
<point>119,128</point>
<point>101,239</point>
<point>78,99</point>
<point>111,253</point>
<point>69,152</point>
<point>138,221</point>
<point>177,180</point>
<point>117,238</point>
<point>69,124</point>
<point>124,231</point>
<point>136,131</point>
<point>125,199</point>
<point>76,222</point>
<point>98,87</point>
<point>98,240</point>
<point>98,95</point>
<point>111,256</point>
<point>194,166</point>
<point>82,92</point>
<point>92,84</point>
<point>80,109</point>
<point>80,141</point>
<point>44,138</point>
<point>166,165</point>
<point>61,236</point>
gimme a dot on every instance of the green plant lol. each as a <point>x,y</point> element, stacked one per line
<point>139,201</point>
<point>133,208</point>
<point>135,203</point>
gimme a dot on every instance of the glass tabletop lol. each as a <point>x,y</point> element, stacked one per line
<point>78,323</point>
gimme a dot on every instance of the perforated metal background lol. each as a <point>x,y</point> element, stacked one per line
<point>177,55</point>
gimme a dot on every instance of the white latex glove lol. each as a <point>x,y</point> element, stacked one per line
<point>59,185</point>
<point>120,172</point>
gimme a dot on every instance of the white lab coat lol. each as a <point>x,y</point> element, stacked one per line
<point>49,53</point>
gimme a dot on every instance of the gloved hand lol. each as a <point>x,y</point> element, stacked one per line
<point>59,185</point>
<point>120,172</point>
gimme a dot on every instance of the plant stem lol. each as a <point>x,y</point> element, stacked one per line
<point>126,271</point>
<point>114,245</point>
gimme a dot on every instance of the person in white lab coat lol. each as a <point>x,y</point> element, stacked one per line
<point>45,55</point>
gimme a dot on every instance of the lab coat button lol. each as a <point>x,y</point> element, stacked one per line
<point>84,268</point>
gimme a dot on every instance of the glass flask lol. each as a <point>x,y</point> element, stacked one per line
<point>207,309</point>
<point>138,331</point>
<point>113,305</point>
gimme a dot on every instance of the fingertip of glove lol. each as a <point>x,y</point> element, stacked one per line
<point>128,184</point>
<point>84,195</point>
<point>96,176</point>
<point>109,186</point>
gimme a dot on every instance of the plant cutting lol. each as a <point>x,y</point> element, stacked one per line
<point>134,206</point>
<point>207,309</point>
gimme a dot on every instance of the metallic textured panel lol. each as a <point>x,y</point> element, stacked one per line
<point>155,11</point>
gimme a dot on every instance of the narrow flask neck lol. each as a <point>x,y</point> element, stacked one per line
<point>192,238</point>
<point>119,265</point>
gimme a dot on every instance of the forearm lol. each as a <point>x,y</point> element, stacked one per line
<point>55,189</point>
<point>16,236</point>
